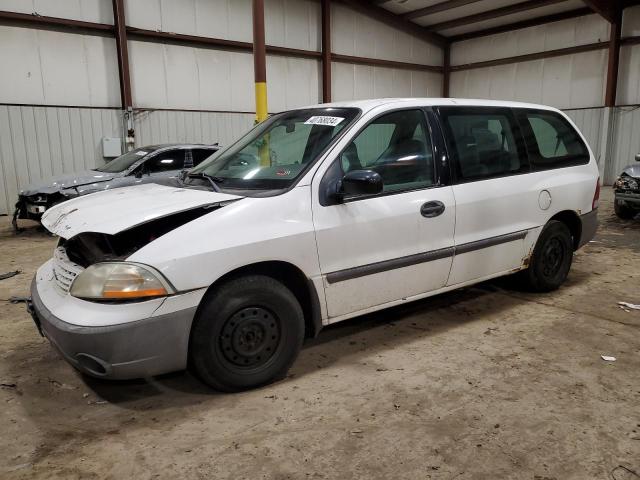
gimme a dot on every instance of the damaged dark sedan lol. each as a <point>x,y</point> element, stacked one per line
<point>142,165</point>
<point>627,190</point>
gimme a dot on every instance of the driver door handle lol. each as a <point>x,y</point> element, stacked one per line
<point>432,209</point>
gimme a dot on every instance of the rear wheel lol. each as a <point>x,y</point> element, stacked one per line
<point>623,211</point>
<point>247,333</point>
<point>551,259</point>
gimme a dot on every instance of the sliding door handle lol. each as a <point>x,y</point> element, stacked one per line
<point>432,209</point>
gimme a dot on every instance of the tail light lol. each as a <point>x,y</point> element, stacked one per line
<point>596,196</point>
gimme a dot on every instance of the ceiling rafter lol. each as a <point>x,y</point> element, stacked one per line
<point>605,8</point>
<point>531,22</point>
<point>385,16</point>
<point>492,14</point>
<point>438,7</point>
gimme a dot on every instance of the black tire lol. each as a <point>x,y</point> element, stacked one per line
<point>247,333</point>
<point>551,259</point>
<point>622,211</point>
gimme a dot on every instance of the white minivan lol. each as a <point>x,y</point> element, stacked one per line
<point>316,215</point>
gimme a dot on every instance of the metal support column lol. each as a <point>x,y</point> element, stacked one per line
<point>259,60</point>
<point>614,60</point>
<point>123,70</point>
<point>326,50</point>
<point>446,70</point>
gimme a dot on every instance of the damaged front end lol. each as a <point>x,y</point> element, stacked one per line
<point>32,207</point>
<point>88,248</point>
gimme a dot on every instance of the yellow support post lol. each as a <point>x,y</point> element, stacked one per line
<point>260,74</point>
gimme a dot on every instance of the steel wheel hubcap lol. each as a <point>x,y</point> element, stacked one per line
<point>552,257</point>
<point>250,337</point>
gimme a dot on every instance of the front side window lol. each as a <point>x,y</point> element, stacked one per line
<point>551,141</point>
<point>398,147</point>
<point>278,151</point>
<point>125,161</point>
<point>165,162</point>
<point>483,142</point>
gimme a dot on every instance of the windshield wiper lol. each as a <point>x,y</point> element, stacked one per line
<point>212,179</point>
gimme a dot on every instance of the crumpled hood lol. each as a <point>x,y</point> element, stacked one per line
<point>632,170</point>
<point>113,211</point>
<point>69,180</point>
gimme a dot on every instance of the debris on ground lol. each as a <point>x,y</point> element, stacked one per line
<point>8,385</point>
<point>625,305</point>
<point>4,276</point>
<point>63,386</point>
<point>607,358</point>
<point>14,300</point>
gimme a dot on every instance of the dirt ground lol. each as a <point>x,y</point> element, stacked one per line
<point>483,383</point>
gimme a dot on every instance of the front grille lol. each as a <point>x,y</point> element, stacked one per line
<point>64,270</point>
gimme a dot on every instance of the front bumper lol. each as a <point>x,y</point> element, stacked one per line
<point>29,210</point>
<point>141,348</point>
<point>628,198</point>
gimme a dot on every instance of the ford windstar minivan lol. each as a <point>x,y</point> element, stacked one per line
<point>316,215</point>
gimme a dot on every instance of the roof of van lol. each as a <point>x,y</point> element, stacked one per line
<point>366,105</point>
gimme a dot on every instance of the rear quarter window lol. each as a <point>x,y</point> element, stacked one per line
<point>551,140</point>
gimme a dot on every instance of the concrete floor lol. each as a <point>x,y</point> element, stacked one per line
<point>483,383</point>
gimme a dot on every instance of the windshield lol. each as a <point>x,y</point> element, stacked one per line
<point>275,153</point>
<point>123,162</point>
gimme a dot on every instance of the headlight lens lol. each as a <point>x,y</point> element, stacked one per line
<point>119,281</point>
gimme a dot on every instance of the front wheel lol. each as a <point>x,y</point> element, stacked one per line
<point>551,259</point>
<point>247,333</point>
<point>623,211</point>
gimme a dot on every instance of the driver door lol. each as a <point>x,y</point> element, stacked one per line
<point>389,247</point>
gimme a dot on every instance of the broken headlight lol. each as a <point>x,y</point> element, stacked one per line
<point>119,281</point>
<point>625,182</point>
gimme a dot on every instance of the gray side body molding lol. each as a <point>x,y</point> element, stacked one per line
<point>400,262</point>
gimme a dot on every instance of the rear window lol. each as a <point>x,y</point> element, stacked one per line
<point>551,141</point>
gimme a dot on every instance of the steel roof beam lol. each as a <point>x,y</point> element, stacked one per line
<point>492,14</point>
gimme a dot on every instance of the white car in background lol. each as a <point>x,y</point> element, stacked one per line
<point>316,215</point>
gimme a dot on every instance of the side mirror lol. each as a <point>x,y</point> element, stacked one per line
<point>138,173</point>
<point>360,182</point>
<point>637,157</point>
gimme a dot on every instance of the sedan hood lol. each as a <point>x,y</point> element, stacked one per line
<point>113,211</point>
<point>632,170</point>
<point>69,180</point>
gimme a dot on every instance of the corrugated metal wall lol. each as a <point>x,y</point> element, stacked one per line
<point>626,140</point>
<point>160,126</point>
<point>359,35</point>
<point>39,142</point>
<point>360,82</point>
<point>288,23</point>
<point>589,121</point>
<point>568,82</point>
<point>99,11</point>
<point>54,68</point>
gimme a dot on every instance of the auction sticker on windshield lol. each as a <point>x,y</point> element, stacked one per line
<point>324,120</point>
